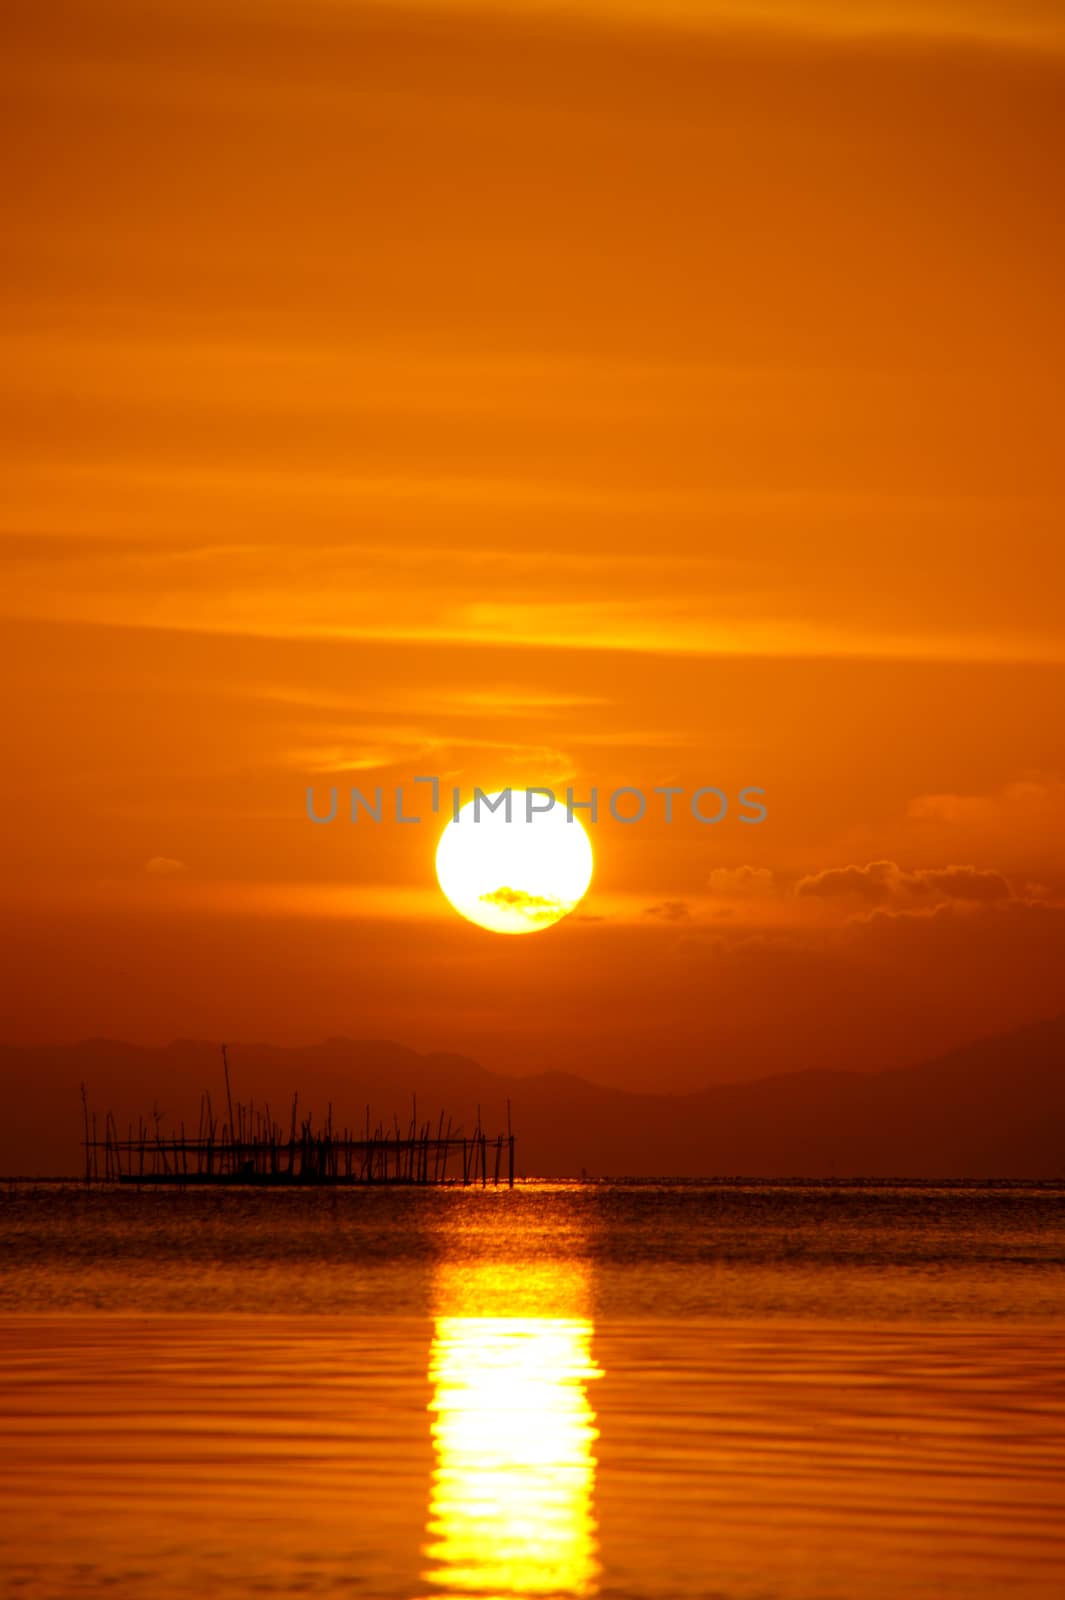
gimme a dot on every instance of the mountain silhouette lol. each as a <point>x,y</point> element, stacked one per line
<point>994,1108</point>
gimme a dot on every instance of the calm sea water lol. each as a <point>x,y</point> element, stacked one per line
<point>646,1391</point>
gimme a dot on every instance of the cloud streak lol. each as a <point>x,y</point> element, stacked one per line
<point>536,907</point>
<point>885,883</point>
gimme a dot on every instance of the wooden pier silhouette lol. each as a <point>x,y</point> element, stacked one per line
<point>249,1147</point>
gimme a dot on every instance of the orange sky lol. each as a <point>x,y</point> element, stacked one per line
<point>590,393</point>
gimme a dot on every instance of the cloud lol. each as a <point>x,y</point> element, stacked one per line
<point>669,910</point>
<point>732,882</point>
<point>164,867</point>
<point>533,905</point>
<point>1030,800</point>
<point>884,883</point>
<point>465,595</point>
<point>378,748</point>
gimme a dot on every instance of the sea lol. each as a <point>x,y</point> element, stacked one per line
<point>625,1390</point>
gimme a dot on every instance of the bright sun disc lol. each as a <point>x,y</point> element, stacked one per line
<point>517,876</point>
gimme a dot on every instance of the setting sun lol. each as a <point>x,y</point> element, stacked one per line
<point>514,869</point>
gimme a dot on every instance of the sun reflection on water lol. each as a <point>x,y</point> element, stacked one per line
<point>512,1506</point>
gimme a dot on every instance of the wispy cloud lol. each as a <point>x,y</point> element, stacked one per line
<point>1034,24</point>
<point>342,594</point>
<point>884,883</point>
<point>669,910</point>
<point>535,907</point>
<point>742,882</point>
<point>1034,800</point>
<point>165,867</point>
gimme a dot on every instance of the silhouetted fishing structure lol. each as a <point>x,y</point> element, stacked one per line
<point>250,1147</point>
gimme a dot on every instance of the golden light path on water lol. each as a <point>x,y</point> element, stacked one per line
<point>512,1508</point>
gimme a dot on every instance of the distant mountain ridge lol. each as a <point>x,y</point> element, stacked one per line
<point>994,1108</point>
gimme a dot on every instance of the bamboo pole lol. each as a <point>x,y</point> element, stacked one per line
<point>229,1091</point>
<point>253,1149</point>
<point>88,1152</point>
